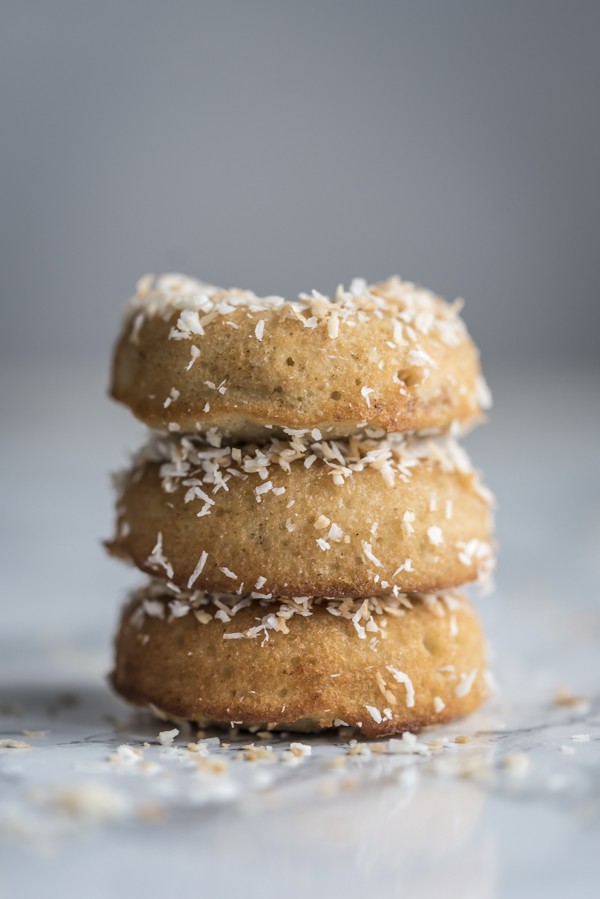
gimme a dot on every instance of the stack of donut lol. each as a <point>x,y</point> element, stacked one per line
<point>301,507</point>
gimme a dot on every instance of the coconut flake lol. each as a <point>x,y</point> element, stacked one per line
<point>197,570</point>
<point>403,678</point>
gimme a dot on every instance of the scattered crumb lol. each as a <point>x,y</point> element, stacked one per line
<point>126,754</point>
<point>564,697</point>
<point>92,801</point>
<point>166,737</point>
<point>517,762</point>
<point>151,812</point>
<point>14,744</point>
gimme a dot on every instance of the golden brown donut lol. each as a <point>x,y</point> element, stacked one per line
<point>345,518</point>
<point>383,666</point>
<point>391,356</point>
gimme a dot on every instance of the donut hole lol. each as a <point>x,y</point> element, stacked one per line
<point>289,361</point>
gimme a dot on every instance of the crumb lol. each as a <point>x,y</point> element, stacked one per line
<point>14,744</point>
<point>517,762</point>
<point>564,697</point>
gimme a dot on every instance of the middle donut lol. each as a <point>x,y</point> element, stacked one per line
<point>304,517</point>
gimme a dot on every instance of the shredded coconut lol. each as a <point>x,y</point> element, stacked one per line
<point>463,688</point>
<point>403,678</point>
<point>197,570</point>
<point>434,535</point>
<point>158,600</point>
<point>366,392</point>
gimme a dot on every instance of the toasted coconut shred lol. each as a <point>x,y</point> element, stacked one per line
<point>368,616</point>
<point>412,309</point>
<point>203,471</point>
<point>206,469</point>
<point>191,306</point>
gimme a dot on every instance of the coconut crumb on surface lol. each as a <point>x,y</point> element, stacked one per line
<point>567,750</point>
<point>91,801</point>
<point>15,744</point>
<point>565,697</point>
<point>517,763</point>
<point>166,737</point>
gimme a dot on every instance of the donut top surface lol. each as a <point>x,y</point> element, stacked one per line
<point>193,357</point>
<point>368,615</point>
<point>198,464</point>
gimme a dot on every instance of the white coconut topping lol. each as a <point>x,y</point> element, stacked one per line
<point>157,558</point>
<point>161,601</point>
<point>407,522</point>
<point>366,393</point>
<point>368,551</point>
<point>374,713</point>
<point>463,688</point>
<point>197,570</point>
<point>434,535</point>
<point>194,353</point>
<point>187,461</point>
<point>195,305</point>
<point>403,678</point>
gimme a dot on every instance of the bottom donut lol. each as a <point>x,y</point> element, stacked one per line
<point>382,665</point>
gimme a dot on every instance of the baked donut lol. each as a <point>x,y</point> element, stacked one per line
<point>381,665</point>
<point>297,517</point>
<point>391,356</point>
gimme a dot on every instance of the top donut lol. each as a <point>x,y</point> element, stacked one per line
<point>389,356</point>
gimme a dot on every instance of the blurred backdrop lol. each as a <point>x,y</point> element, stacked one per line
<point>283,146</point>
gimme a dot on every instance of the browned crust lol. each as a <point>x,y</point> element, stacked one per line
<point>188,671</point>
<point>321,388</point>
<point>253,542</point>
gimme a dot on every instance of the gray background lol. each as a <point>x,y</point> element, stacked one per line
<point>283,146</point>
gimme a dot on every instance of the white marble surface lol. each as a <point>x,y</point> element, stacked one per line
<point>460,821</point>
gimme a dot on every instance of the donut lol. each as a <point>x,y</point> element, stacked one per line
<point>382,665</point>
<point>390,356</point>
<point>356,517</point>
